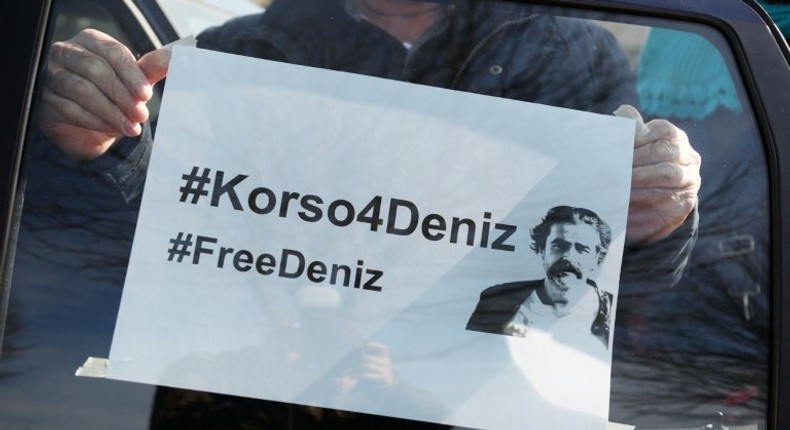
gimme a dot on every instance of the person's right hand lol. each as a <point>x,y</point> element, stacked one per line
<point>96,92</point>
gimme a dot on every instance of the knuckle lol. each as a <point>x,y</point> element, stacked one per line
<point>57,49</point>
<point>666,151</point>
<point>115,51</point>
<point>696,158</point>
<point>52,101</point>
<point>89,32</point>
<point>80,89</point>
<point>663,195</point>
<point>650,197</point>
<point>696,176</point>
<point>58,80</point>
<point>60,53</point>
<point>95,68</point>
<point>63,107</point>
<point>689,203</point>
<point>664,128</point>
<point>51,74</point>
<point>685,203</point>
<point>640,197</point>
<point>100,75</point>
<point>671,173</point>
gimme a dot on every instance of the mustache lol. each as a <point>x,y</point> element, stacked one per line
<point>564,266</point>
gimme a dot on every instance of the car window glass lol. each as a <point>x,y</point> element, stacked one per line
<point>191,17</point>
<point>691,334</point>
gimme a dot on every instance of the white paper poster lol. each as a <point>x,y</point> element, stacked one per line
<point>323,238</point>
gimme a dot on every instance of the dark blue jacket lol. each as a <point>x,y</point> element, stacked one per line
<point>509,51</point>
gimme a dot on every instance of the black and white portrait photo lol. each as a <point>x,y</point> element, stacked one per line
<point>571,244</point>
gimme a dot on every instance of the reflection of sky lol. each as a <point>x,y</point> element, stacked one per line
<point>192,16</point>
<point>63,303</point>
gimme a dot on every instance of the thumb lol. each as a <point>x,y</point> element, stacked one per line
<point>155,64</point>
<point>628,111</point>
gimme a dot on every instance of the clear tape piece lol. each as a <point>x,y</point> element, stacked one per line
<point>93,368</point>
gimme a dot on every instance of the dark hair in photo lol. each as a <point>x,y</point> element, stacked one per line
<point>568,214</point>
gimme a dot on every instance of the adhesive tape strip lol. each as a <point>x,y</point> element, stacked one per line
<point>93,368</point>
<point>184,41</point>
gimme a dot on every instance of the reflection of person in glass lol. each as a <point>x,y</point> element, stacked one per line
<point>572,242</point>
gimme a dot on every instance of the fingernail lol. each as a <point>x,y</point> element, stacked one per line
<point>139,112</point>
<point>143,91</point>
<point>132,129</point>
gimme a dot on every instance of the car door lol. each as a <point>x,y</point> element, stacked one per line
<point>700,328</point>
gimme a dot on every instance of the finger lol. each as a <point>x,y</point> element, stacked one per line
<point>376,370</point>
<point>648,223</point>
<point>82,104</point>
<point>628,111</point>
<point>72,58</point>
<point>118,58</point>
<point>662,151</point>
<point>95,78</point>
<point>376,377</point>
<point>375,361</point>
<point>77,143</point>
<point>661,129</point>
<point>376,348</point>
<point>654,198</point>
<point>82,136</point>
<point>665,175</point>
<point>384,375</point>
<point>155,64</point>
<point>647,232</point>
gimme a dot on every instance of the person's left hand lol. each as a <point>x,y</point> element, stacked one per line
<point>96,93</point>
<point>665,180</point>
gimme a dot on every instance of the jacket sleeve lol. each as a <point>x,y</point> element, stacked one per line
<point>573,64</point>
<point>124,165</point>
<point>660,265</point>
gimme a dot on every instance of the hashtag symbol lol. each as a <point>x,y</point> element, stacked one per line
<point>180,247</point>
<point>195,185</point>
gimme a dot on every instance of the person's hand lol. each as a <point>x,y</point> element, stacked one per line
<point>96,92</point>
<point>665,180</point>
<point>376,365</point>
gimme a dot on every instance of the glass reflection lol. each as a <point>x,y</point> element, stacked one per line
<point>681,354</point>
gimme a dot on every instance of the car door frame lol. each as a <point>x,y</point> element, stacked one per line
<point>759,50</point>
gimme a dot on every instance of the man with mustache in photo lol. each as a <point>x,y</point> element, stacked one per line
<point>572,243</point>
